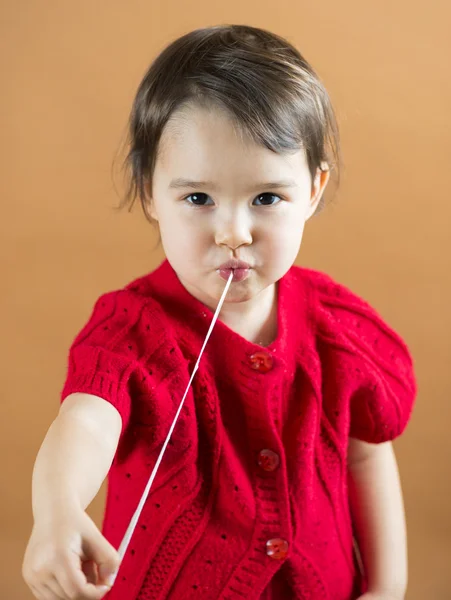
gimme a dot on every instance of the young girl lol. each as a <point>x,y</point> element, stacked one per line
<point>281,456</point>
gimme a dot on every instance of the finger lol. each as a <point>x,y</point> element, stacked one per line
<point>54,586</point>
<point>43,592</point>
<point>103,553</point>
<point>87,591</point>
<point>74,583</point>
<point>34,591</point>
<point>90,571</point>
<point>92,592</point>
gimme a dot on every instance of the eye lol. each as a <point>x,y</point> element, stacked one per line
<point>267,199</point>
<point>198,199</point>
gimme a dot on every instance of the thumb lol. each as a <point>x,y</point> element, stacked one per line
<point>103,554</point>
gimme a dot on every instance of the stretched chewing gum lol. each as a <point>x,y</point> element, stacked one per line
<point>134,520</point>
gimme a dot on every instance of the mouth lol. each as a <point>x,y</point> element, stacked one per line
<point>239,268</point>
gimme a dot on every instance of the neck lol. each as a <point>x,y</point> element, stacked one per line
<point>255,319</point>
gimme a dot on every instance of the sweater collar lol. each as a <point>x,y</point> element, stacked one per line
<point>294,315</point>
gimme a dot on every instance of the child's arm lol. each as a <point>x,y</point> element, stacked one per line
<point>378,515</point>
<point>71,465</point>
<point>75,456</point>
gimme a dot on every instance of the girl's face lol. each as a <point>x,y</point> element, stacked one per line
<point>218,196</point>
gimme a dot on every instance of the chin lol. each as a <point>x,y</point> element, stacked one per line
<point>239,292</point>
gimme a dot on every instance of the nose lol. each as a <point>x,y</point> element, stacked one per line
<point>233,231</point>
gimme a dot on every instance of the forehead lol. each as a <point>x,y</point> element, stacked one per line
<point>207,143</point>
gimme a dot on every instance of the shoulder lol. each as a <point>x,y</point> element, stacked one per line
<point>366,356</point>
<point>349,321</point>
<point>121,314</point>
<point>334,297</point>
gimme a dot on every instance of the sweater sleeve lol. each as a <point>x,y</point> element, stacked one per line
<point>379,367</point>
<point>103,359</point>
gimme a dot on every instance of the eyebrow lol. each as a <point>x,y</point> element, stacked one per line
<point>181,182</point>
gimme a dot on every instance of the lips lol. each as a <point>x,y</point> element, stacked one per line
<point>239,269</point>
<point>235,264</point>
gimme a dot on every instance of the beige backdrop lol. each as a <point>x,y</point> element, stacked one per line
<point>70,70</point>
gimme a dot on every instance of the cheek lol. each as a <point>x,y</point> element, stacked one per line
<point>281,247</point>
<point>182,236</point>
<point>285,234</point>
<point>286,247</point>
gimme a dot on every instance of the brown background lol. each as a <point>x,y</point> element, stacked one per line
<point>70,70</point>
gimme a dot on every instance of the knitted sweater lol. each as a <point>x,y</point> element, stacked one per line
<point>250,499</point>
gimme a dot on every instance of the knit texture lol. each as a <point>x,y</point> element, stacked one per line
<point>335,370</point>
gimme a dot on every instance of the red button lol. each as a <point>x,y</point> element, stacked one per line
<point>268,460</point>
<point>277,548</point>
<point>261,362</point>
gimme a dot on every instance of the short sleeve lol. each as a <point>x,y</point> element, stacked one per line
<point>379,367</point>
<point>103,359</point>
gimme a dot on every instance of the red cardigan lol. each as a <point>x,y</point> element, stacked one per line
<point>251,496</point>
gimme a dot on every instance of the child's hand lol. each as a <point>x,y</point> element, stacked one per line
<point>69,558</point>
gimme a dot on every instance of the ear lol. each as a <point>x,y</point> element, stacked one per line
<point>319,184</point>
<point>150,204</point>
<point>151,209</point>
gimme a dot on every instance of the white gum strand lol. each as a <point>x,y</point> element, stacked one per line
<point>134,520</point>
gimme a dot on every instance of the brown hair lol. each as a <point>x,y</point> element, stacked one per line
<point>270,91</point>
